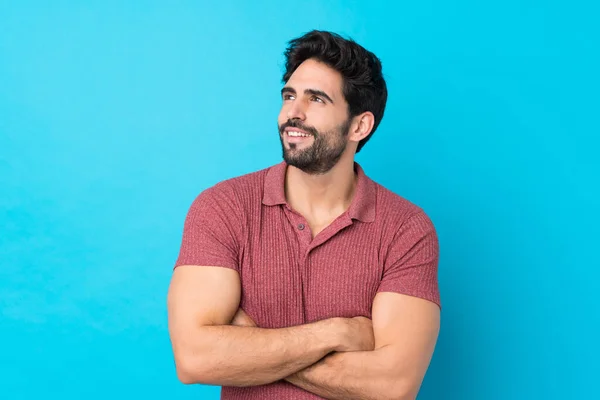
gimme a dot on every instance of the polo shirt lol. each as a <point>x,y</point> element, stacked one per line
<point>381,243</point>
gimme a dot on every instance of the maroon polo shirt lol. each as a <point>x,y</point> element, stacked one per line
<point>382,243</point>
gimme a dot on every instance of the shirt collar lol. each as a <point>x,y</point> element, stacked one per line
<point>363,204</point>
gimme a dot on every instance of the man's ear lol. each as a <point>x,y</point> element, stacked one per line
<point>361,127</point>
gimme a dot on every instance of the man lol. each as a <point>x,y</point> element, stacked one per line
<point>308,280</point>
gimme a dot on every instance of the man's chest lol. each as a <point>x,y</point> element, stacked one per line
<point>287,280</point>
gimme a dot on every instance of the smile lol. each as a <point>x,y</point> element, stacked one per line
<point>297,134</point>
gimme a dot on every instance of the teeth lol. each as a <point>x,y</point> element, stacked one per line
<point>297,134</point>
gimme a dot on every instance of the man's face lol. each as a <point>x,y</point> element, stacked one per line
<point>313,121</point>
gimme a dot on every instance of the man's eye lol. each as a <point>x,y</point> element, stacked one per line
<point>318,99</point>
<point>288,97</point>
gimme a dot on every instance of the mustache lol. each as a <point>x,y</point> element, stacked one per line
<point>292,123</point>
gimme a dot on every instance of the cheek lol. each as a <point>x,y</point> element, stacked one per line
<point>282,117</point>
<point>324,122</point>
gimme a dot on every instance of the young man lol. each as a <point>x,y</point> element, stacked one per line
<point>308,280</point>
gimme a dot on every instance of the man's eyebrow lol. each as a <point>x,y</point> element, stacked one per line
<point>321,93</point>
<point>288,89</point>
<point>314,92</point>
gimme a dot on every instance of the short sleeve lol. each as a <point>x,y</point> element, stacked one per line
<point>411,264</point>
<point>211,233</point>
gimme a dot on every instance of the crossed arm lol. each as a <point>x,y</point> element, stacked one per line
<point>216,343</point>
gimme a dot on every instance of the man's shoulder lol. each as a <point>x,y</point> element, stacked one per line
<point>395,208</point>
<point>250,180</point>
<point>247,186</point>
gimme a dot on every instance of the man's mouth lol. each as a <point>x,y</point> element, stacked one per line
<point>295,135</point>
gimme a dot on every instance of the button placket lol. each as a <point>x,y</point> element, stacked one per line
<point>304,235</point>
<point>303,229</point>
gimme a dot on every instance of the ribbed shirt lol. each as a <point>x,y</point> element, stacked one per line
<point>381,243</point>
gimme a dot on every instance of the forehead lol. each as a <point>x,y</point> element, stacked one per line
<point>313,74</point>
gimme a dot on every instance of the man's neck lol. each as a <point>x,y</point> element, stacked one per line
<point>322,196</point>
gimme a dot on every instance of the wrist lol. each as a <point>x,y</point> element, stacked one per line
<point>336,333</point>
<point>293,378</point>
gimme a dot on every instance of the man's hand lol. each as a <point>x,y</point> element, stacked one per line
<point>359,335</point>
<point>406,329</point>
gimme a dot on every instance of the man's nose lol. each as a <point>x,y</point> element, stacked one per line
<point>297,111</point>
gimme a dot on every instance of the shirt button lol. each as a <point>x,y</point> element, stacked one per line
<point>301,226</point>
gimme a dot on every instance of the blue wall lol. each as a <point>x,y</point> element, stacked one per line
<point>113,118</point>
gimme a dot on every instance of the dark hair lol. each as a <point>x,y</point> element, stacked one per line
<point>364,87</point>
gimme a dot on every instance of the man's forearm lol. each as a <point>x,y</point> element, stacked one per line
<point>248,356</point>
<point>351,375</point>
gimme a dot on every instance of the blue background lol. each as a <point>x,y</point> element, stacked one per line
<point>114,117</point>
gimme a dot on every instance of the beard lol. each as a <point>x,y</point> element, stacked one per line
<point>322,155</point>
